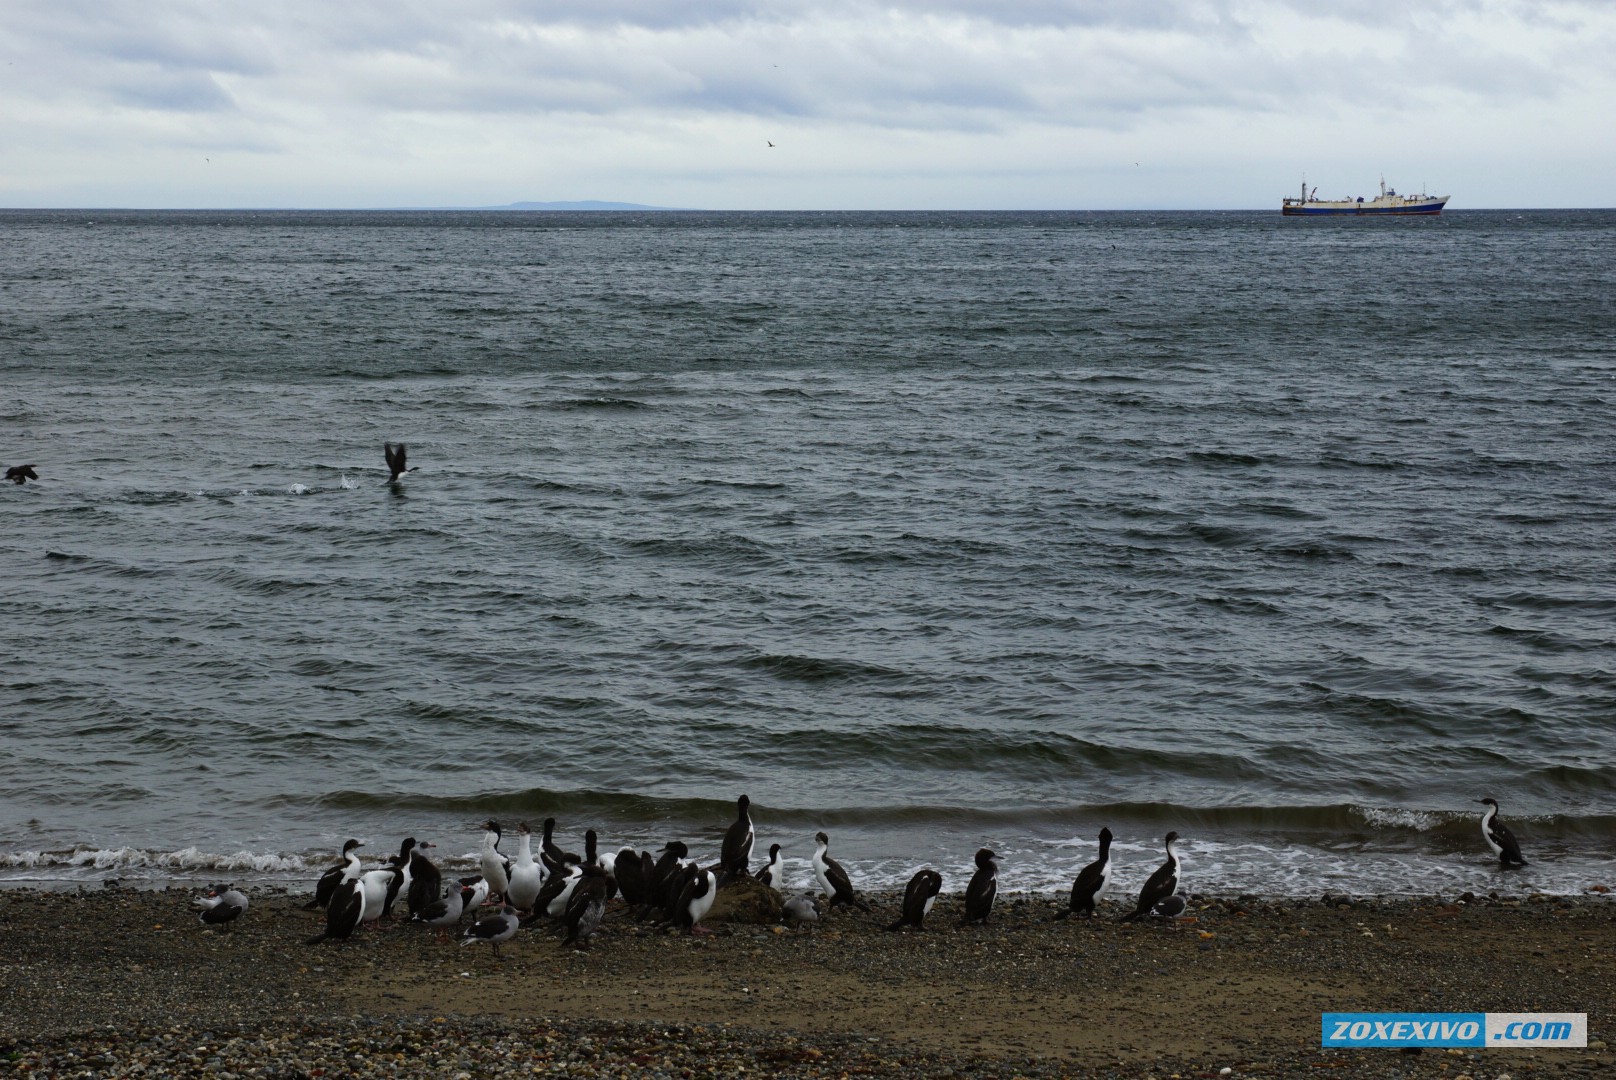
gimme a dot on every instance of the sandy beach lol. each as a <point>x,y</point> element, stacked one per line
<point>112,981</point>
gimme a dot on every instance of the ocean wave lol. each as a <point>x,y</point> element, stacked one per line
<point>186,860</point>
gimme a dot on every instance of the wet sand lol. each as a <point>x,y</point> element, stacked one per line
<point>117,982</point>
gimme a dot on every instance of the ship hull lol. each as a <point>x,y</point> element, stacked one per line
<point>1375,208</point>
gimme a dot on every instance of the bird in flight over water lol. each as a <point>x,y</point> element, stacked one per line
<point>395,461</point>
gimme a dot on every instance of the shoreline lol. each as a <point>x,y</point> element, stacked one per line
<point>1241,987</point>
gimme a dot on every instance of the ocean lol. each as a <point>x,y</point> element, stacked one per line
<point>930,530</point>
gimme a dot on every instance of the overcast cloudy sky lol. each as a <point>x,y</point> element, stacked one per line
<point>1057,104</point>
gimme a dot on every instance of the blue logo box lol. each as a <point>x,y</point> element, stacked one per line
<point>1405,1029</point>
<point>1511,1030</point>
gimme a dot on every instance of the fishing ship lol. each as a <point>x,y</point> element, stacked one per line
<point>1387,202</point>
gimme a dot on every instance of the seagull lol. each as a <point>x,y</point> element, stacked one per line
<point>498,927</point>
<point>1498,836</point>
<point>444,912</point>
<point>221,906</point>
<point>21,474</point>
<point>770,143</point>
<point>395,461</point>
<point>801,909</point>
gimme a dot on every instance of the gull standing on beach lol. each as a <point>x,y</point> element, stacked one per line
<point>222,905</point>
<point>494,929</point>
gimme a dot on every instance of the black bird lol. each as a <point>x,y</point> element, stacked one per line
<point>1092,881</point>
<point>737,850</point>
<point>395,461</point>
<point>983,888</point>
<point>397,863</point>
<point>918,898</point>
<point>21,474</point>
<point>347,908</point>
<point>773,873</point>
<point>1498,836</point>
<point>832,878</point>
<point>586,907</point>
<point>550,853</point>
<point>665,868</point>
<point>331,879</point>
<point>632,869</point>
<point>1162,884</point>
<point>696,899</point>
<point>426,881</point>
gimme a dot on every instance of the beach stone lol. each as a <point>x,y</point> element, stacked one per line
<point>746,900</point>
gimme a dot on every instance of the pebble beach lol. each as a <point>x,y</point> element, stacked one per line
<point>121,982</point>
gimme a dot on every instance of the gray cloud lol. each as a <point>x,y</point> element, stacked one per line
<point>303,80</point>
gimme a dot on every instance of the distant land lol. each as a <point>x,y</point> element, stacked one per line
<point>581,204</point>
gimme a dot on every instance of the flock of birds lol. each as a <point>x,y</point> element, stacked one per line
<point>573,890</point>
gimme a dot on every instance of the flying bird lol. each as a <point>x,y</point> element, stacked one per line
<point>21,474</point>
<point>395,461</point>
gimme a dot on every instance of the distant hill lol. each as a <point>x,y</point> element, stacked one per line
<point>582,204</point>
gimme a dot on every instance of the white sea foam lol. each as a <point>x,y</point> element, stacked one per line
<point>1419,820</point>
<point>298,489</point>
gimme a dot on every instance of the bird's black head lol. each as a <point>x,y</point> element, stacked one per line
<point>1489,801</point>
<point>742,803</point>
<point>350,845</point>
<point>1171,837</point>
<point>1105,836</point>
<point>821,838</point>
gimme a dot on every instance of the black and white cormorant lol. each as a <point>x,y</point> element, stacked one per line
<point>737,849</point>
<point>394,453</point>
<point>331,878</point>
<point>832,878</point>
<point>983,888</point>
<point>1162,884</point>
<point>918,897</point>
<point>773,873</point>
<point>1498,836</point>
<point>1092,881</point>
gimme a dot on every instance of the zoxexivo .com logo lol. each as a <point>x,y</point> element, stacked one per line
<point>1456,1029</point>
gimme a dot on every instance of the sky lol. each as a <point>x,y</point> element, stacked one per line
<point>948,104</point>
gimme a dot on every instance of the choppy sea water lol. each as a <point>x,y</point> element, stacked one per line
<point>930,530</point>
